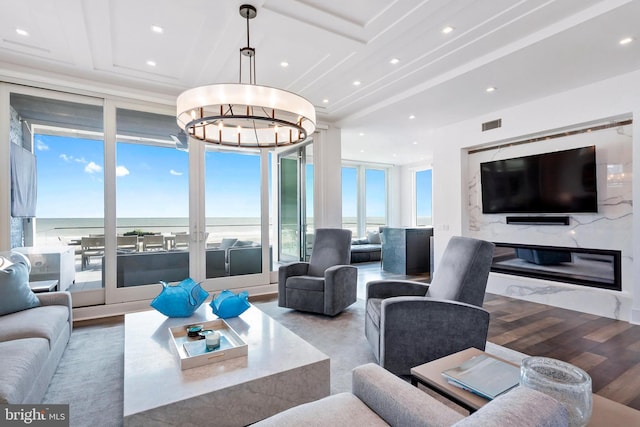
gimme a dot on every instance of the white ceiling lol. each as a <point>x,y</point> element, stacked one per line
<point>527,49</point>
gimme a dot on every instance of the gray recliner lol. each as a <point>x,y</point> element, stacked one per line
<point>326,284</point>
<point>409,323</point>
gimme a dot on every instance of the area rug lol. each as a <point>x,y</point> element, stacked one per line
<point>340,337</point>
<point>90,375</point>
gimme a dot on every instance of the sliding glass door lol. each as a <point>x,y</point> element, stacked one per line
<point>125,200</point>
<point>295,196</point>
<point>233,233</point>
<point>56,144</point>
<point>151,235</point>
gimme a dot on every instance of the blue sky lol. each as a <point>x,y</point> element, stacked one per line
<point>153,182</point>
<point>423,193</point>
<point>374,192</point>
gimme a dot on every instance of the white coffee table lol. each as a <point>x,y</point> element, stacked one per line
<point>280,371</point>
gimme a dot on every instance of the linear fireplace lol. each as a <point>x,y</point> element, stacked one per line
<point>597,268</point>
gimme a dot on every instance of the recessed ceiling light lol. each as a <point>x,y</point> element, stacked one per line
<point>151,63</point>
<point>362,151</point>
<point>394,61</point>
<point>415,142</point>
<point>447,29</point>
<point>361,134</point>
<point>356,83</point>
<point>326,101</point>
<point>157,29</point>
<point>395,155</point>
<point>22,32</point>
<point>626,40</point>
<point>491,89</point>
<point>284,64</point>
<point>412,117</point>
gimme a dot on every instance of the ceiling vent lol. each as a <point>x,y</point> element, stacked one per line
<point>494,124</point>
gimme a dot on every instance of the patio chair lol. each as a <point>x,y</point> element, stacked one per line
<point>91,247</point>
<point>152,242</point>
<point>128,243</point>
<point>181,241</point>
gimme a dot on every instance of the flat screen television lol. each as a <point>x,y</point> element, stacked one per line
<point>558,182</point>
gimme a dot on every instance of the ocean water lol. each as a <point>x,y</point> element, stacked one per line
<point>55,231</point>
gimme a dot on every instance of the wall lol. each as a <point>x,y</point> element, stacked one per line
<point>327,155</point>
<point>606,229</point>
<point>617,97</point>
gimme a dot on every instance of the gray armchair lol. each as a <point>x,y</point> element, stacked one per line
<point>410,323</point>
<point>326,284</point>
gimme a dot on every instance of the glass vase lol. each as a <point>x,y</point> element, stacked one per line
<point>568,384</point>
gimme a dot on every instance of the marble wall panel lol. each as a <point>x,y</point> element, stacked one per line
<point>609,228</point>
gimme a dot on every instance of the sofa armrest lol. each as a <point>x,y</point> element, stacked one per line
<point>521,407</point>
<point>340,288</point>
<point>395,288</point>
<point>398,402</point>
<point>58,298</point>
<point>437,328</point>
<point>285,271</point>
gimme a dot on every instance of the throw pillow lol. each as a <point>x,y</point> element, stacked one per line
<point>15,293</point>
<point>374,237</point>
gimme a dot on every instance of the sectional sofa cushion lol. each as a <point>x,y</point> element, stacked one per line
<point>15,293</point>
<point>343,409</point>
<point>45,322</point>
<point>22,361</point>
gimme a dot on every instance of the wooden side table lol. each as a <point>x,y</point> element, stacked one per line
<point>44,286</point>
<point>605,412</point>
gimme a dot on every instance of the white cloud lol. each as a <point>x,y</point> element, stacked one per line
<point>65,157</point>
<point>80,160</point>
<point>41,146</point>
<point>92,168</point>
<point>175,173</point>
<point>122,171</point>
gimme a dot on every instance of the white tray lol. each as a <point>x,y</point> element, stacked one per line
<point>232,345</point>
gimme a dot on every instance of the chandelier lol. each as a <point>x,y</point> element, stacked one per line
<point>245,114</point>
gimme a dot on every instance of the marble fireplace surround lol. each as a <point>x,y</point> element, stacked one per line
<point>586,267</point>
<point>609,229</point>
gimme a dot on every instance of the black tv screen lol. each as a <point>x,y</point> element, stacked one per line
<point>558,182</point>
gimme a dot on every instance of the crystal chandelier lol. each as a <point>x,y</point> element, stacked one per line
<point>245,114</point>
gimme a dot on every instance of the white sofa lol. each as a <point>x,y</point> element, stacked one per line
<point>32,342</point>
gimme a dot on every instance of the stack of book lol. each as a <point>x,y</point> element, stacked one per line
<point>484,376</point>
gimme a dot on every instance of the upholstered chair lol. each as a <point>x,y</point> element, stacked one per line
<point>326,284</point>
<point>409,323</point>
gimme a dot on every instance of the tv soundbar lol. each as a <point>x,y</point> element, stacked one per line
<point>539,220</point>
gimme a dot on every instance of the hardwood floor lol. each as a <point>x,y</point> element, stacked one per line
<point>609,350</point>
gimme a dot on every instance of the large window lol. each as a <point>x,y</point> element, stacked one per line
<point>375,196</point>
<point>423,198</point>
<point>152,200</point>
<point>364,199</point>
<point>123,206</point>
<point>232,209</point>
<point>67,141</point>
